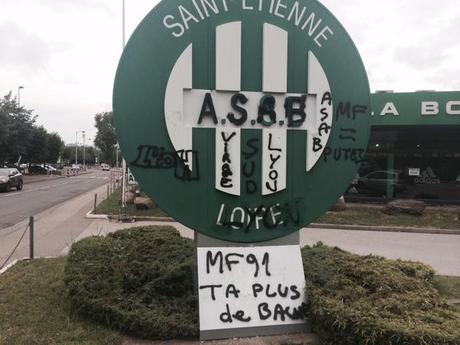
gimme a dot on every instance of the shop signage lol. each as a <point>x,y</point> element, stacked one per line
<point>244,120</point>
<point>418,108</point>
<point>414,172</point>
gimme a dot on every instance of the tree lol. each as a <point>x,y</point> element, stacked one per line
<point>55,147</point>
<point>68,154</point>
<point>106,138</point>
<point>91,153</point>
<point>17,127</point>
<point>21,138</point>
<point>37,146</point>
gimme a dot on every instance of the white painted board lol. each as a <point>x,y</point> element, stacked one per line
<point>243,287</point>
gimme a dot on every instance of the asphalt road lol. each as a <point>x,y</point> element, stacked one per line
<point>39,196</point>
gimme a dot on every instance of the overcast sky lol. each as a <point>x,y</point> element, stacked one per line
<point>65,52</point>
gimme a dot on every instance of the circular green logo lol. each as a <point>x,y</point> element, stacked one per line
<point>244,120</point>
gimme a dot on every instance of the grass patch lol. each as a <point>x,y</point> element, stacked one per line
<point>111,206</point>
<point>34,309</point>
<point>438,218</point>
<point>448,286</point>
<point>433,218</point>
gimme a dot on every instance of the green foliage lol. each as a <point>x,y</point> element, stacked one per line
<point>55,146</point>
<point>448,286</point>
<point>137,280</point>
<point>105,138</point>
<point>34,309</point>
<point>21,137</point>
<point>17,129</point>
<point>369,300</point>
<point>68,154</point>
<point>112,206</point>
<point>442,218</point>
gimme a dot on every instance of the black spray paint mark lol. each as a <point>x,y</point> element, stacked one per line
<point>346,154</point>
<point>227,173</point>
<point>346,109</point>
<point>272,216</point>
<point>156,157</point>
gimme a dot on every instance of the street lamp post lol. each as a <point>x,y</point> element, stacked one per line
<point>117,147</point>
<point>76,146</point>
<point>19,95</point>
<point>123,25</point>
<point>84,158</point>
<point>123,162</point>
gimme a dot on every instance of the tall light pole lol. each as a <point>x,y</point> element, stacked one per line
<point>123,29</point>
<point>19,95</point>
<point>117,147</point>
<point>84,158</point>
<point>123,163</point>
<point>76,145</point>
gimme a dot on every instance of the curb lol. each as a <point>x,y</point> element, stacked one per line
<point>386,229</point>
<point>14,262</point>
<point>91,215</point>
<point>412,230</point>
<point>11,264</point>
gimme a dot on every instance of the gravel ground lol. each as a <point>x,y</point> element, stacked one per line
<point>291,339</point>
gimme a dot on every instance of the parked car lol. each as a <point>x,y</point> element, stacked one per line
<point>38,170</point>
<point>376,182</point>
<point>105,167</point>
<point>10,178</point>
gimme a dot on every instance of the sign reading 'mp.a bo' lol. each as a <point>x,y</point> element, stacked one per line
<point>244,120</point>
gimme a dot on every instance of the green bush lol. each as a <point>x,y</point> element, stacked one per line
<point>138,280</point>
<point>373,301</point>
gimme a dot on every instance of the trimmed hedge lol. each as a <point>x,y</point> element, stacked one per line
<point>138,280</point>
<point>373,301</point>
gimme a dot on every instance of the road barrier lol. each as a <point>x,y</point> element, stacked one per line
<point>30,227</point>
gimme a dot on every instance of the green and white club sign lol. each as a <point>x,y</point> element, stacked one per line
<point>244,120</point>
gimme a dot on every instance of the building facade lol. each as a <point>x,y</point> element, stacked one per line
<point>414,148</point>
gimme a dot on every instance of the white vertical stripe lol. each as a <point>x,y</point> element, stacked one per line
<point>180,79</point>
<point>228,57</point>
<point>275,59</point>
<point>274,146</point>
<point>318,87</point>
<point>232,151</point>
<point>275,66</point>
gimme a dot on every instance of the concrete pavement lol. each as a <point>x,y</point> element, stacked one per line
<point>442,252</point>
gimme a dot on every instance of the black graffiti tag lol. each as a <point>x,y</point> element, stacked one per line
<point>156,157</point>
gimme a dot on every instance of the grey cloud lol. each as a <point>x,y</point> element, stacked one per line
<point>21,48</point>
<point>421,57</point>
<point>445,78</point>
<point>66,5</point>
<point>432,49</point>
